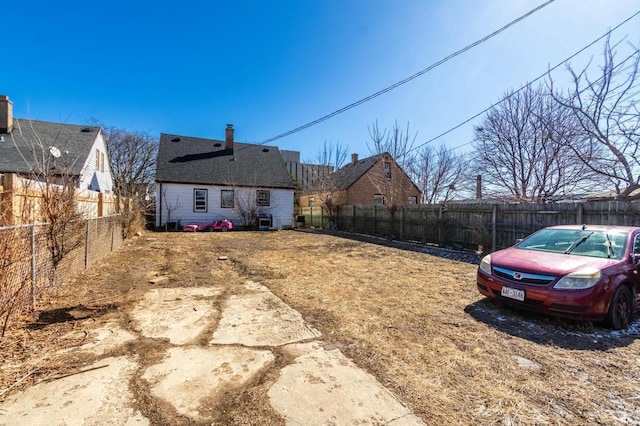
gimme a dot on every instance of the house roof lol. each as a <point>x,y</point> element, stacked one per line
<point>184,159</point>
<point>346,176</point>
<point>27,147</point>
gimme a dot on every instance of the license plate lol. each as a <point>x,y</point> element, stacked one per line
<point>512,293</point>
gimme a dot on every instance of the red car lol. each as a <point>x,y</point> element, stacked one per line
<point>217,225</point>
<point>588,272</point>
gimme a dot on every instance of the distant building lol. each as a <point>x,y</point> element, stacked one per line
<point>376,180</point>
<point>307,175</point>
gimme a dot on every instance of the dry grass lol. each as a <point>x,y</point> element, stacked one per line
<point>414,321</point>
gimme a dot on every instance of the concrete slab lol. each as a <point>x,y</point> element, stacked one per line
<point>323,387</point>
<point>95,397</point>
<point>177,314</point>
<point>189,377</point>
<point>99,340</point>
<point>261,319</point>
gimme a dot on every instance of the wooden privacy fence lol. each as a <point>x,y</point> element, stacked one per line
<point>478,226</point>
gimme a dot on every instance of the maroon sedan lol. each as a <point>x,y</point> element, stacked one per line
<point>583,272</point>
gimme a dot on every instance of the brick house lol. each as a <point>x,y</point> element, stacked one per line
<point>376,180</point>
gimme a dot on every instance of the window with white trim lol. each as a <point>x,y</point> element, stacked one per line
<point>227,198</point>
<point>378,199</point>
<point>199,200</point>
<point>263,197</point>
<point>413,200</point>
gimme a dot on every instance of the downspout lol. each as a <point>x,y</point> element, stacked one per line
<point>160,211</point>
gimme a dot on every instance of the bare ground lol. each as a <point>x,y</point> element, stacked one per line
<point>413,320</point>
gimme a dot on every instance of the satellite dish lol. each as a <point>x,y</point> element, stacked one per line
<point>54,151</point>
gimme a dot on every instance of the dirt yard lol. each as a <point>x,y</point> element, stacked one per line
<point>413,320</point>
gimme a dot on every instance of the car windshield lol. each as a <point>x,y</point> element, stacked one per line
<point>604,244</point>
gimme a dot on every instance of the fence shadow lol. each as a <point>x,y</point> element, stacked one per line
<point>459,255</point>
<point>70,314</point>
<point>552,331</point>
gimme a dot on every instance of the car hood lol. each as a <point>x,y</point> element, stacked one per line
<point>544,262</point>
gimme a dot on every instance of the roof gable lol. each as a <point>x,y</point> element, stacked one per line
<point>346,176</point>
<point>27,147</point>
<point>183,159</point>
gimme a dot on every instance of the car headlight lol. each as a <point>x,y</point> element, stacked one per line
<point>584,278</point>
<point>485,264</point>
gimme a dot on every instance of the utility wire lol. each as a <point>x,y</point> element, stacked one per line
<point>527,85</point>
<point>406,80</point>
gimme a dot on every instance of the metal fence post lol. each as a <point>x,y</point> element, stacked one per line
<point>33,266</point>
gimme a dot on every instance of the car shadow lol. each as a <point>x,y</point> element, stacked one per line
<point>552,331</point>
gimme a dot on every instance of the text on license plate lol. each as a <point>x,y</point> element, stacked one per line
<point>512,293</point>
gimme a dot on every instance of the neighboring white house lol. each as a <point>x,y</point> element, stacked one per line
<point>29,148</point>
<point>201,180</point>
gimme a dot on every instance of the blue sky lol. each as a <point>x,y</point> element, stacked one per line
<point>268,67</point>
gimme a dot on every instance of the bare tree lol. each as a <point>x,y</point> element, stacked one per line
<point>526,148</point>
<point>52,177</point>
<point>170,205</point>
<point>132,155</point>
<point>398,142</point>
<point>394,146</point>
<point>324,185</point>
<point>607,112</point>
<point>438,172</point>
<point>332,156</point>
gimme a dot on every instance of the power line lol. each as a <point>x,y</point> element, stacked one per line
<point>525,86</point>
<point>406,80</point>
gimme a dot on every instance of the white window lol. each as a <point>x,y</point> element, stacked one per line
<point>227,198</point>
<point>413,199</point>
<point>199,200</point>
<point>378,199</point>
<point>263,197</point>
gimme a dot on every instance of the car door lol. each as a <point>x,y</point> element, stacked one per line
<point>635,257</point>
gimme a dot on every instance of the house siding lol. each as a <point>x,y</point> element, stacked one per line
<point>180,197</point>
<point>91,178</point>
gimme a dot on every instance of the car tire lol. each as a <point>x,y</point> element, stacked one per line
<point>620,309</point>
<point>224,229</point>
<point>208,229</point>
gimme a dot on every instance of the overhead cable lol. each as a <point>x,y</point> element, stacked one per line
<point>406,80</point>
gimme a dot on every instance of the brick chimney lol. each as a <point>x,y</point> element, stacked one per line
<point>354,158</point>
<point>6,114</point>
<point>229,137</point>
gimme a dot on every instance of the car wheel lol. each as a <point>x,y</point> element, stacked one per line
<point>621,309</point>
<point>208,229</point>
<point>224,229</point>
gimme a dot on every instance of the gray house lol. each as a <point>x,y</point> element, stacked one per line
<point>31,148</point>
<point>201,180</point>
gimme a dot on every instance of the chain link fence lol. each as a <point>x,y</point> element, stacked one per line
<point>26,267</point>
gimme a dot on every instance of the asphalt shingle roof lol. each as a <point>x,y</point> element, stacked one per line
<point>26,148</point>
<point>346,176</point>
<point>183,159</point>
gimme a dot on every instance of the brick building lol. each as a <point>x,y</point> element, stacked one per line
<point>376,180</point>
